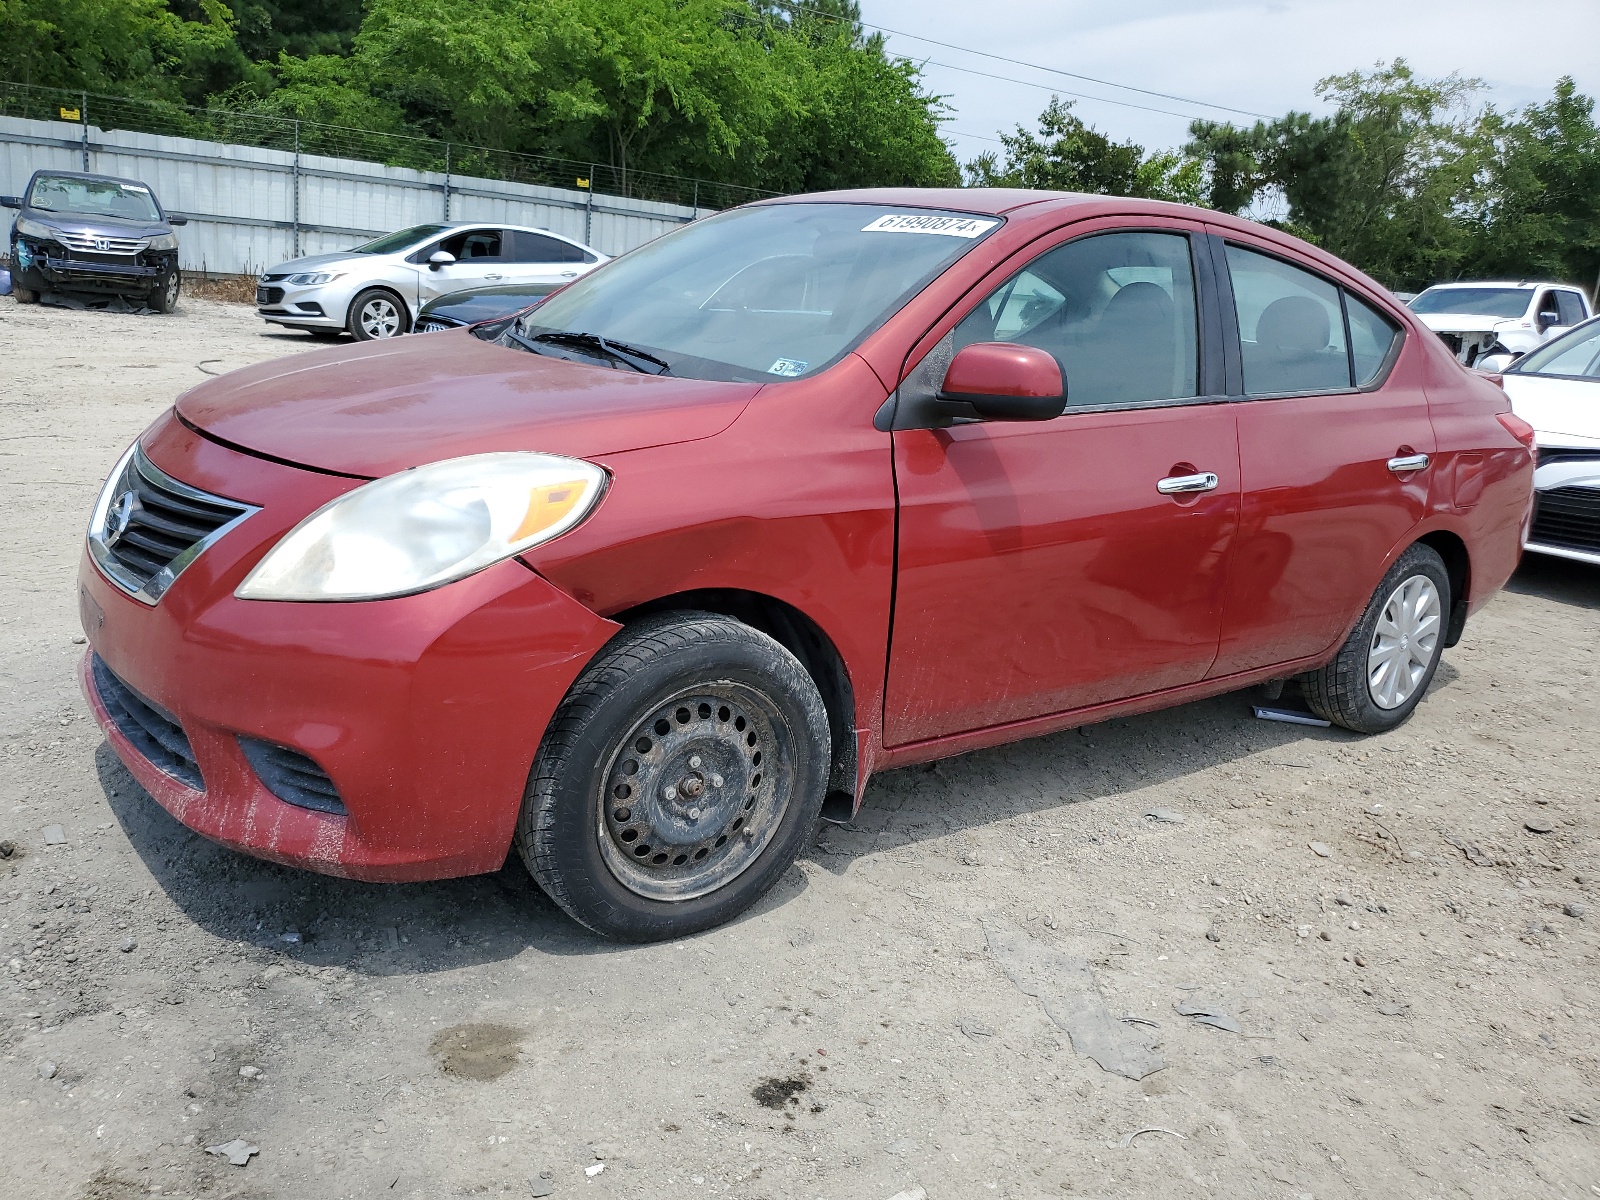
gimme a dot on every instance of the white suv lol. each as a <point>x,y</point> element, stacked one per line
<point>377,289</point>
<point>1479,319</point>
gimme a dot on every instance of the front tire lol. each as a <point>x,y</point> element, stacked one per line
<point>1387,663</point>
<point>24,295</point>
<point>678,780</point>
<point>377,313</point>
<point>164,297</point>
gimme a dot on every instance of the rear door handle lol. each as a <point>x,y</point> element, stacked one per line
<point>1409,463</point>
<point>569,275</point>
<point>1177,485</point>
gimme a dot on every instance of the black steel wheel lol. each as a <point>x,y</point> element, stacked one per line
<point>679,779</point>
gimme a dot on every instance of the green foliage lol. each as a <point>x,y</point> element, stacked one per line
<point>1069,156</point>
<point>1411,182</point>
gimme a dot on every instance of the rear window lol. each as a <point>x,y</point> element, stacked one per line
<point>1291,327</point>
<point>1372,336</point>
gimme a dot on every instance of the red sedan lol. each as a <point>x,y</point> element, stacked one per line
<point>645,579</point>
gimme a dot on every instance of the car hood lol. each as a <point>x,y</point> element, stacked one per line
<point>1463,322</point>
<point>92,224</point>
<point>1567,410</point>
<point>385,406</point>
<point>322,262</point>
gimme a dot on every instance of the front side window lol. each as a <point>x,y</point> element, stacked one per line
<point>1291,327</point>
<point>1116,309</point>
<point>1504,302</point>
<point>472,244</point>
<point>93,198</point>
<point>771,292</point>
<point>1570,306</point>
<point>1576,356</point>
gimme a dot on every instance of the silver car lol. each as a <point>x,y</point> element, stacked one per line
<point>377,289</point>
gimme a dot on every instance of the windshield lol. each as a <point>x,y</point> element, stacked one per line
<point>1576,355</point>
<point>404,240</point>
<point>1474,301</point>
<point>774,292</point>
<point>94,198</point>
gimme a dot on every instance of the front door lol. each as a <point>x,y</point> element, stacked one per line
<point>1336,450</point>
<point>480,261</point>
<point>1055,565</point>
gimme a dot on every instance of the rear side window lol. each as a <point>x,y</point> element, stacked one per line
<point>1116,309</point>
<point>537,248</point>
<point>1291,327</point>
<point>1372,336</point>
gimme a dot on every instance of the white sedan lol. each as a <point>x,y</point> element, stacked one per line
<point>1556,389</point>
<point>377,289</point>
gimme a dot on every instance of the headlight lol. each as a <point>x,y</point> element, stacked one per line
<point>33,229</point>
<point>315,280</point>
<point>163,241</point>
<point>425,527</point>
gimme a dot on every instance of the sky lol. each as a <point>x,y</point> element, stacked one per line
<point>1261,57</point>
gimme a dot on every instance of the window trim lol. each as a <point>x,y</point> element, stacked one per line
<point>899,413</point>
<point>1231,321</point>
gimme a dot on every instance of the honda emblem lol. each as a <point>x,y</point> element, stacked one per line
<point>102,244</point>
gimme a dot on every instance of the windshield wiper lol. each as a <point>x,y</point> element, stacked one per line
<point>621,352</point>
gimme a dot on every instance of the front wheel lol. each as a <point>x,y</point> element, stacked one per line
<point>678,780</point>
<point>24,295</point>
<point>1386,664</point>
<point>377,313</point>
<point>164,298</point>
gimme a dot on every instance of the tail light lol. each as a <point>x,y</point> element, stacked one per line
<point>1517,428</point>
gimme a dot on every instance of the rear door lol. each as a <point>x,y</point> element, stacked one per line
<point>1336,455</point>
<point>536,258</point>
<point>1049,566</point>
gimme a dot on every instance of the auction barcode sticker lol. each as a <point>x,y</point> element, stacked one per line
<point>963,227</point>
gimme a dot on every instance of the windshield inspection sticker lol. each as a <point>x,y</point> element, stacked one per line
<point>963,227</point>
<point>788,367</point>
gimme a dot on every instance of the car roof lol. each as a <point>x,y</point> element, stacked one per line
<point>89,175</point>
<point>1524,284</point>
<point>503,225</point>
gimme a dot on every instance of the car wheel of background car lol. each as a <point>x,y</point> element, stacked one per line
<point>164,297</point>
<point>377,313</point>
<point>24,295</point>
<point>678,780</point>
<point>1386,664</point>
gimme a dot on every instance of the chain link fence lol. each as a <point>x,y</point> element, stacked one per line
<point>92,109</point>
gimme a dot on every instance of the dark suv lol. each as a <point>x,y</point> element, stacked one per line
<point>93,233</point>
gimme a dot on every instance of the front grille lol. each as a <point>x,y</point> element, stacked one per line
<point>1555,454</point>
<point>1568,518</point>
<point>274,278</point>
<point>154,732</point>
<point>148,527</point>
<point>434,325</point>
<point>269,295</point>
<point>1453,340</point>
<point>292,777</point>
<point>88,243</point>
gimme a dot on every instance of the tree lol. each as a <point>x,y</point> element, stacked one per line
<point>1068,155</point>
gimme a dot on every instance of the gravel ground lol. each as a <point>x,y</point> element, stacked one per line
<point>1415,1010</point>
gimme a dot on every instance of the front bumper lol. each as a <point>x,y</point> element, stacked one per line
<point>424,711</point>
<point>322,306</point>
<point>52,266</point>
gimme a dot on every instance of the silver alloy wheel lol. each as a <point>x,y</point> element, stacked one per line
<point>379,318</point>
<point>695,792</point>
<point>1404,642</point>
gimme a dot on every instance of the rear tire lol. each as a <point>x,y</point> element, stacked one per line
<point>678,780</point>
<point>1388,662</point>
<point>377,314</point>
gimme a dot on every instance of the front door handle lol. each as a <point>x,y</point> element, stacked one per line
<point>494,275</point>
<point>569,275</point>
<point>1177,485</point>
<point>1408,463</point>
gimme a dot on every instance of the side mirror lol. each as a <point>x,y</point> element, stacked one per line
<point>440,258</point>
<point>1492,364</point>
<point>1003,381</point>
<point>176,221</point>
<point>10,201</point>
<point>1546,319</point>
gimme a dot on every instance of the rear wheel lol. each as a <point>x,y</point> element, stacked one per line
<point>1386,664</point>
<point>678,780</point>
<point>377,313</point>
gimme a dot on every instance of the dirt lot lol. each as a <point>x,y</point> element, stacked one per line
<point>1416,1011</point>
